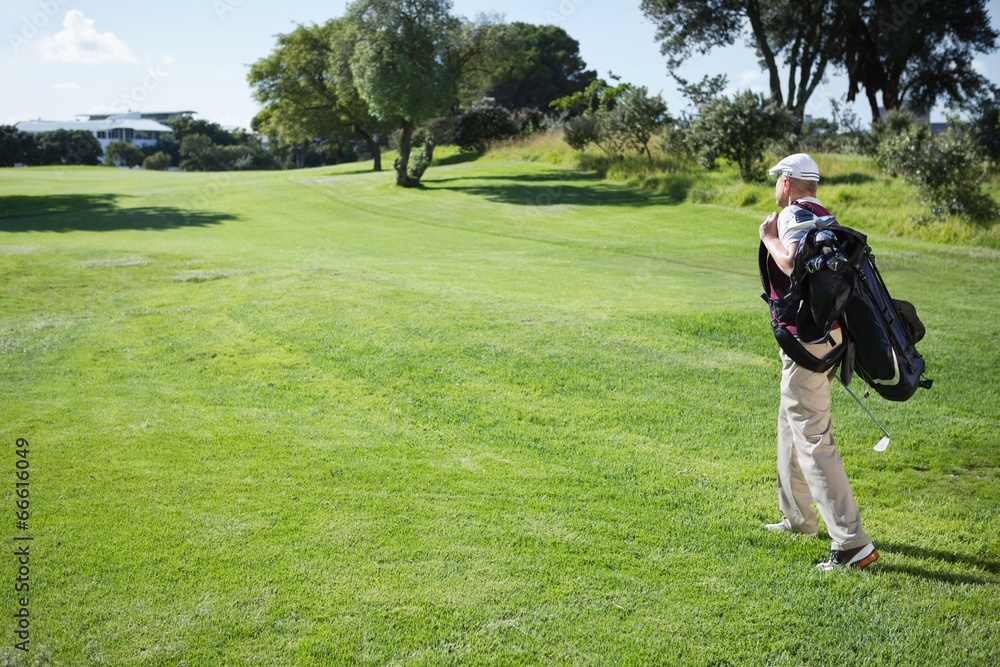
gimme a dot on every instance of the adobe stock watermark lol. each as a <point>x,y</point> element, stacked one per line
<point>33,24</point>
<point>544,202</point>
<point>81,150</point>
<point>901,13</point>
<point>155,76</point>
<point>224,7</point>
<point>206,194</point>
<point>22,544</point>
<point>565,9</point>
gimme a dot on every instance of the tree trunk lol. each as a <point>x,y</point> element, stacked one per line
<point>760,35</point>
<point>402,162</point>
<point>372,146</point>
<point>873,104</point>
<point>417,172</point>
<point>890,95</point>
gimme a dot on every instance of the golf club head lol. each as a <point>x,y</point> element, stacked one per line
<point>882,444</point>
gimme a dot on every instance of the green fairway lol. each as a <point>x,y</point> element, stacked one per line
<point>520,416</point>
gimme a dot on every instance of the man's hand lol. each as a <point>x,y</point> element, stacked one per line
<point>769,228</point>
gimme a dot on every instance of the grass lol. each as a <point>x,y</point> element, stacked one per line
<point>853,187</point>
<point>521,416</point>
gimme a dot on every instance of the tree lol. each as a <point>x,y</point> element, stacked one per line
<point>185,126</point>
<point>634,119</point>
<point>409,63</point>
<point>739,129</point>
<point>806,36</point>
<point>407,67</point>
<point>123,153</point>
<point>616,119</point>
<point>308,90</point>
<point>199,154</point>
<point>914,53</point>
<point>70,147</point>
<point>544,64</point>
<point>17,147</point>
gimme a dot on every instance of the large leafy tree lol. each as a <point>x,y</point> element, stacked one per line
<point>307,88</point>
<point>406,67</point>
<point>409,64</point>
<point>805,37</point>
<point>544,65</point>
<point>915,53</point>
<point>912,52</point>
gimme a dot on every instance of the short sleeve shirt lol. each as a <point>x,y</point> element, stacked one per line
<point>794,221</point>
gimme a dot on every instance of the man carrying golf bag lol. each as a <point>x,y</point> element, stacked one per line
<point>809,467</point>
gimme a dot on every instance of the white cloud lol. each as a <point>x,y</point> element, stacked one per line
<point>67,86</point>
<point>80,42</point>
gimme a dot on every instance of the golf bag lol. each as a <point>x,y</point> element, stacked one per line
<point>834,278</point>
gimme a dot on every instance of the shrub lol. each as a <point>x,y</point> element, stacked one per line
<point>617,119</point>
<point>483,124</point>
<point>528,120</point>
<point>201,154</point>
<point>948,170</point>
<point>581,131</point>
<point>738,129</point>
<point>632,122</point>
<point>158,161</point>
<point>987,132</point>
<point>119,153</point>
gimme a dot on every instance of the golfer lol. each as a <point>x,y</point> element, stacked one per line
<point>809,467</point>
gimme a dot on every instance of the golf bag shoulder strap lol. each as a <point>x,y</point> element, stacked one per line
<point>798,353</point>
<point>781,309</point>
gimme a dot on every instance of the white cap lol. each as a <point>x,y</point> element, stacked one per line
<point>799,166</point>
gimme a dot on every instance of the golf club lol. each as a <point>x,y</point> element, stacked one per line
<point>883,444</point>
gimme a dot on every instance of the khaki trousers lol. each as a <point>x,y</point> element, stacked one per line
<point>809,467</point>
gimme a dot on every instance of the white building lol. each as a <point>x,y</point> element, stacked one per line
<point>133,127</point>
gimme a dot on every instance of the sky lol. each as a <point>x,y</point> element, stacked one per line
<point>62,58</point>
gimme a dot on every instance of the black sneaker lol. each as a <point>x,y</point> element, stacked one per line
<point>858,558</point>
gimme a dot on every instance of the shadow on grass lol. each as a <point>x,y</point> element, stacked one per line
<point>852,178</point>
<point>368,169</point>
<point>457,158</point>
<point>94,213</point>
<point>961,561</point>
<point>554,189</point>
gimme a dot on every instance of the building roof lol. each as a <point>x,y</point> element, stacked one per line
<point>110,123</point>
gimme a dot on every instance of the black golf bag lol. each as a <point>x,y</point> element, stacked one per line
<point>834,278</point>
